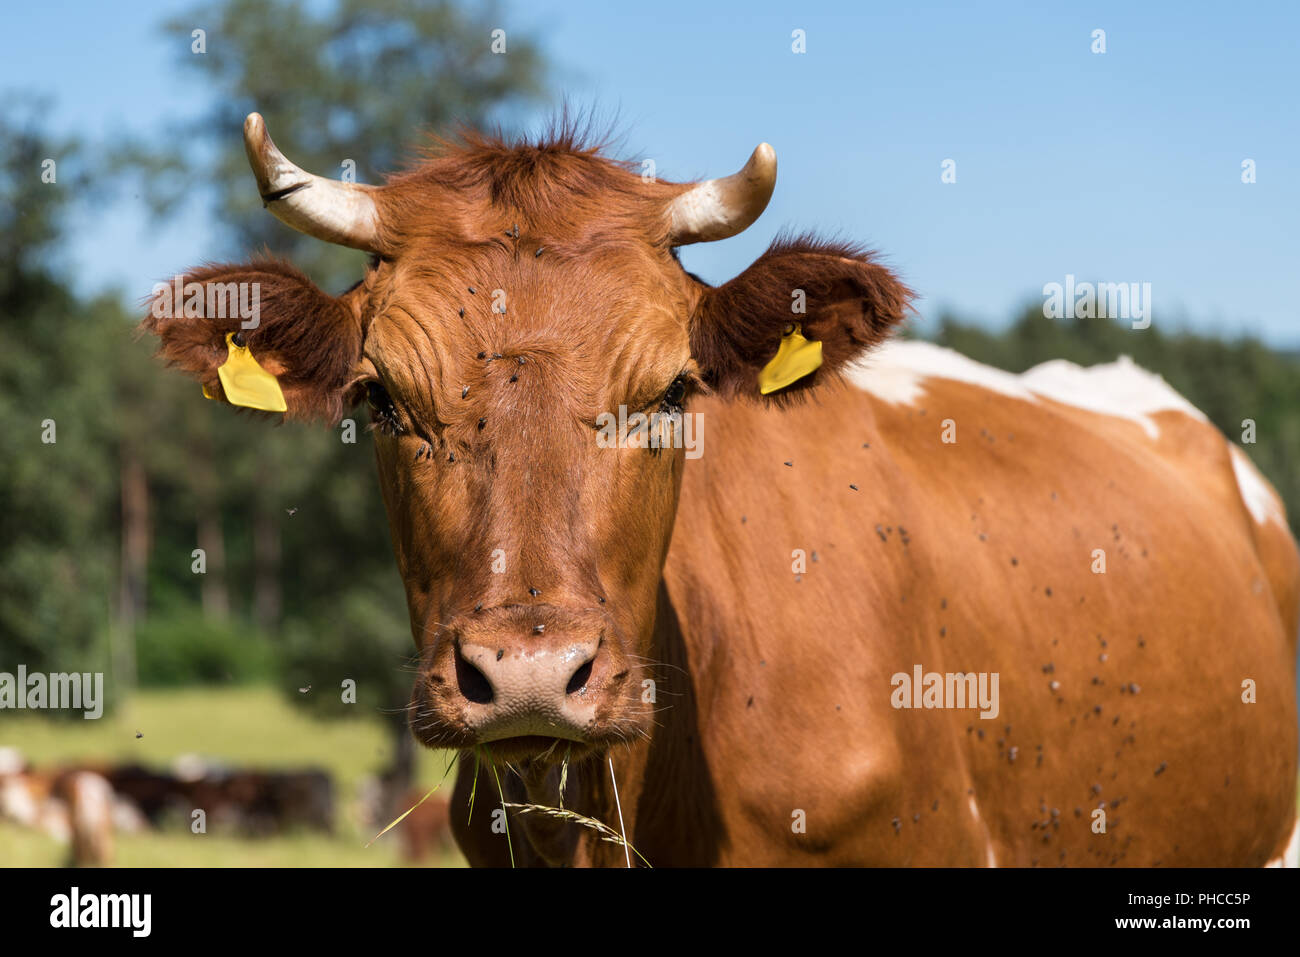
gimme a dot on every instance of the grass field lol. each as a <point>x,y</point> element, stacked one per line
<point>244,727</point>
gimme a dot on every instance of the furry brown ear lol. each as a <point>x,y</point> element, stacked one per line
<point>849,304</point>
<point>311,342</point>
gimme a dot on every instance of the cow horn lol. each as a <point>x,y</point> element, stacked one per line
<point>720,208</point>
<point>342,213</point>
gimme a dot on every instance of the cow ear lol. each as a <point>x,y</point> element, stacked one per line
<point>273,329</point>
<point>795,317</point>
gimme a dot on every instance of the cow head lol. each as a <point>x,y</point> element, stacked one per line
<point>519,297</point>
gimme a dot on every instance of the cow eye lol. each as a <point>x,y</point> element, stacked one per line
<point>382,410</point>
<point>377,396</point>
<point>676,393</point>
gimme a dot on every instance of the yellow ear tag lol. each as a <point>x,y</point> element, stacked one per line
<point>248,384</point>
<point>795,358</point>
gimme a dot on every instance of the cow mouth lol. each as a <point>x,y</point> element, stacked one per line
<point>509,745</point>
<point>535,748</point>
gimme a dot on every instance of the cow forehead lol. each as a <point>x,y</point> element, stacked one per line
<point>600,326</point>
<point>523,197</point>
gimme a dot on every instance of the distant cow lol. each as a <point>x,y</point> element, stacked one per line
<point>90,805</point>
<point>75,806</point>
<point>934,615</point>
<point>247,802</point>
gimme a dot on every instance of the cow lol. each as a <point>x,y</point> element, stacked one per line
<point>249,802</point>
<point>75,805</point>
<point>91,812</point>
<point>892,608</point>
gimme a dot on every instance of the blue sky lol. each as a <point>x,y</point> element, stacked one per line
<point>1116,167</point>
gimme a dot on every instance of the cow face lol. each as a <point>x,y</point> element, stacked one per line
<point>529,347</point>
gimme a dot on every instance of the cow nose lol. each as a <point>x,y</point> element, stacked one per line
<point>515,689</point>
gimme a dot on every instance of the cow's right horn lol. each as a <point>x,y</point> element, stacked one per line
<point>342,213</point>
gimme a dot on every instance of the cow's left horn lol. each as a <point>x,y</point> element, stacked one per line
<point>342,213</point>
<point>720,208</point>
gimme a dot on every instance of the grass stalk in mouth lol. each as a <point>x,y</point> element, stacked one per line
<point>619,804</point>
<point>607,833</point>
<point>402,816</point>
<point>473,788</point>
<point>505,818</point>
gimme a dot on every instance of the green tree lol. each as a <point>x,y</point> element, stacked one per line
<point>57,526</point>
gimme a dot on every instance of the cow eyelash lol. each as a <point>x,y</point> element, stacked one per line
<point>673,401</point>
<point>674,397</point>
<point>383,411</point>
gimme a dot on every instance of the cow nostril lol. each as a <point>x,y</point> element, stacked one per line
<point>473,685</point>
<point>580,678</point>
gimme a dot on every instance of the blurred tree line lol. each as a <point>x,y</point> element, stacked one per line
<point>113,471</point>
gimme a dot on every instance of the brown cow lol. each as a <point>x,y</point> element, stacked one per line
<point>938,615</point>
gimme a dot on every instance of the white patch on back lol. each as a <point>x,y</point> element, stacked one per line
<point>896,373</point>
<point>1260,499</point>
<point>1120,388</point>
